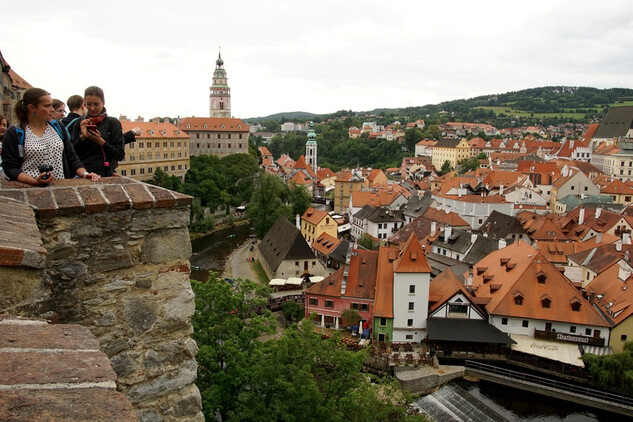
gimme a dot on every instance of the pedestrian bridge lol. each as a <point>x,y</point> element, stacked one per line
<point>571,392</point>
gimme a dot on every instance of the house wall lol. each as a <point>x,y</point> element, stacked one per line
<point>296,268</point>
<point>515,326</point>
<point>143,157</point>
<point>401,300</point>
<point>620,334</point>
<point>443,311</point>
<point>474,213</point>
<point>386,329</point>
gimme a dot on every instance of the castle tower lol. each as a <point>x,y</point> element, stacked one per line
<point>220,97</point>
<point>311,149</point>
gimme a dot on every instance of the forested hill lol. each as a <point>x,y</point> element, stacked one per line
<point>529,105</point>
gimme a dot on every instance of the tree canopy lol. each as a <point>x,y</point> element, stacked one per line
<point>298,377</point>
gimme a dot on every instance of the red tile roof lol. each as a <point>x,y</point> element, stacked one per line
<point>213,124</point>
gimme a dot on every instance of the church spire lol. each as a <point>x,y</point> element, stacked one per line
<point>220,97</point>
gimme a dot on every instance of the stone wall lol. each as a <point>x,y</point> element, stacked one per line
<point>117,262</point>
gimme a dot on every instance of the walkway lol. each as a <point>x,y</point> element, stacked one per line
<point>540,385</point>
<point>237,266</point>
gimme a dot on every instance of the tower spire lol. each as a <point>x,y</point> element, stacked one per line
<point>220,96</point>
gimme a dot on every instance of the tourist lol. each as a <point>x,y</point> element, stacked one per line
<point>4,124</point>
<point>38,150</point>
<point>59,109</point>
<point>98,138</point>
<point>77,109</point>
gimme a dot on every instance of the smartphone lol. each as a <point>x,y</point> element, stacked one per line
<point>91,127</point>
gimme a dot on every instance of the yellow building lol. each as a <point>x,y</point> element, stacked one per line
<point>451,150</point>
<point>346,182</point>
<point>315,222</point>
<point>160,146</point>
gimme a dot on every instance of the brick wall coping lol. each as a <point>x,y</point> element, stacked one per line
<point>56,372</point>
<point>75,196</point>
<point>20,240</point>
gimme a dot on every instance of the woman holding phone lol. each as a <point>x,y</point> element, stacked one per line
<point>98,138</point>
<point>38,150</point>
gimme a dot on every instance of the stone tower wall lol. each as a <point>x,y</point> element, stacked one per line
<point>117,262</point>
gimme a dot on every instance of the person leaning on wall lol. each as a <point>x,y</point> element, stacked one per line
<point>97,137</point>
<point>38,150</point>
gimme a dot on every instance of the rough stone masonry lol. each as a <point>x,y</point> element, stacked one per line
<point>113,257</point>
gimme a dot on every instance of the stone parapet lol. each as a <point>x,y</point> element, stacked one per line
<point>56,372</point>
<point>117,262</point>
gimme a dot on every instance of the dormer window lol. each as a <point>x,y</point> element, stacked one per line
<point>188,126</point>
<point>518,298</point>
<point>546,302</point>
<point>205,126</point>
<point>541,277</point>
<point>575,305</point>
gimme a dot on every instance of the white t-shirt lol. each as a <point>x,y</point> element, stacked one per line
<point>49,149</point>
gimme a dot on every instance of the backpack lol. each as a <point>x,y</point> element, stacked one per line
<point>70,124</point>
<point>61,131</point>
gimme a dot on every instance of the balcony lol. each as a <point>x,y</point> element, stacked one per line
<point>569,338</point>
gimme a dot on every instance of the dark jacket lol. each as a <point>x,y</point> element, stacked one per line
<point>91,154</point>
<point>71,118</point>
<point>12,162</point>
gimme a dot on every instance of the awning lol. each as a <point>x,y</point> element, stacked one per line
<point>344,227</point>
<point>562,352</point>
<point>316,279</point>
<point>277,282</point>
<point>294,281</point>
<point>465,330</point>
<point>596,350</point>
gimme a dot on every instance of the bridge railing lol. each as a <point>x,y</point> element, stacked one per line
<point>550,383</point>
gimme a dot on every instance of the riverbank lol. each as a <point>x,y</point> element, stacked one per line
<point>218,227</point>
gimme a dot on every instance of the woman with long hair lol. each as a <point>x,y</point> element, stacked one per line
<point>98,138</point>
<point>38,151</point>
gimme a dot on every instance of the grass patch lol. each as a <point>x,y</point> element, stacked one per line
<point>259,273</point>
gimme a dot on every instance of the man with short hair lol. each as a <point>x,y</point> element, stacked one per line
<point>77,109</point>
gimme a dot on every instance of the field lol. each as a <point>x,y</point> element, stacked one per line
<point>509,111</point>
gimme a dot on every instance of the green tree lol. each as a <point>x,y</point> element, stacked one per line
<point>446,167</point>
<point>350,317</point>
<point>226,327</point>
<point>365,241</point>
<point>299,198</point>
<point>292,310</point>
<point>267,203</point>
<point>412,137</point>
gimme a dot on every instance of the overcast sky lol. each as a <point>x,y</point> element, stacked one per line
<point>156,58</point>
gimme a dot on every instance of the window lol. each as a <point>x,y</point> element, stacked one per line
<point>548,326</point>
<point>457,308</point>
<point>525,323</point>
<point>314,301</point>
<point>575,306</point>
<point>518,300</point>
<point>411,306</point>
<point>410,323</point>
<point>623,337</point>
<point>587,331</point>
<point>504,321</point>
<point>572,329</point>
<point>354,305</point>
<point>409,336</point>
<point>545,303</point>
<point>412,288</point>
<point>383,322</point>
<point>329,303</point>
<point>364,307</point>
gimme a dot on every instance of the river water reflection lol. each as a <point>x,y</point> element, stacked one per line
<point>211,252</point>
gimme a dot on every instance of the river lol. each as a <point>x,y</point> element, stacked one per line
<point>481,401</point>
<point>210,252</point>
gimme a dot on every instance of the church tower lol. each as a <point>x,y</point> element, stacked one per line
<point>311,149</point>
<point>220,92</point>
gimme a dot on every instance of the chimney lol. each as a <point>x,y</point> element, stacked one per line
<point>502,243</point>
<point>598,212</point>
<point>433,228</point>
<point>599,238</point>
<point>469,281</point>
<point>618,246</point>
<point>298,221</point>
<point>501,189</point>
<point>626,239</point>
<point>448,231</point>
<point>473,238</point>
<point>581,216</point>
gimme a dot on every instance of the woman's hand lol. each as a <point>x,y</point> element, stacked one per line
<point>44,179</point>
<point>93,177</point>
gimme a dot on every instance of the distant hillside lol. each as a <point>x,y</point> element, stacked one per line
<point>290,115</point>
<point>535,105</point>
